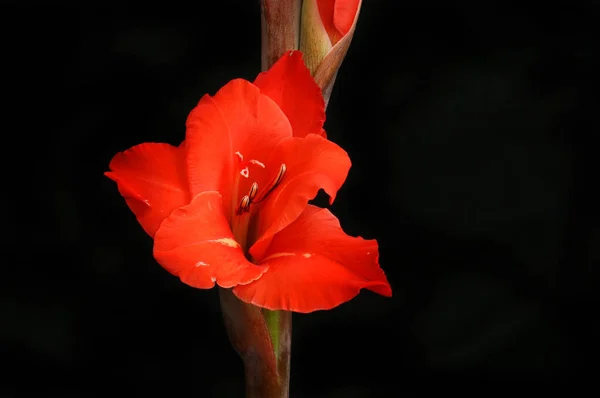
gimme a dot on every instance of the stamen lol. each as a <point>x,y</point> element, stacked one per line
<point>243,206</point>
<point>274,183</point>
<point>247,200</point>
<point>282,170</point>
<point>253,191</point>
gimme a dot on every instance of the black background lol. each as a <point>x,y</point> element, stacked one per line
<point>470,127</point>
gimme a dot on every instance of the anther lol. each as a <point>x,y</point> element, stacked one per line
<point>243,206</point>
<point>253,191</point>
<point>273,184</point>
<point>279,177</point>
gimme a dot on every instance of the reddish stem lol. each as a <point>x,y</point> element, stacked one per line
<point>280,25</point>
<point>263,341</point>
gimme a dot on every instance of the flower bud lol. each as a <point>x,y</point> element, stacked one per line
<point>327,27</point>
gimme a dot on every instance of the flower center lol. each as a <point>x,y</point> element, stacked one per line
<point>252,197</point>
<point>241,207</point>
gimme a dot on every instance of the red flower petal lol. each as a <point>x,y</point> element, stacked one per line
<point>152,179</point>
<point>312,163</point>
<point>344,14</point>
<point>196,244</point>
<point>314,265</point>
<point>237,119</point>
<point>337,17</point>
<point>291,86</point>
<point>326,10</point>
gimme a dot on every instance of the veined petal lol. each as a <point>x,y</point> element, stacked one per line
<point>153,180</point>
<point>291,86</point>
<point>312,163</point>
<point>209,161</point>
<point>196,244</point>
<point>256,123</point>
<point>314,265</point>
<point>237,119</point>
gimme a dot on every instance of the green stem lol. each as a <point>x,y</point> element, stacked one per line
<point>279,324</point>
<point>263,341</point>
<point>272,320</point>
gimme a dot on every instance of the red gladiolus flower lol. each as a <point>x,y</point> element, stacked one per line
<point>229,205</point>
